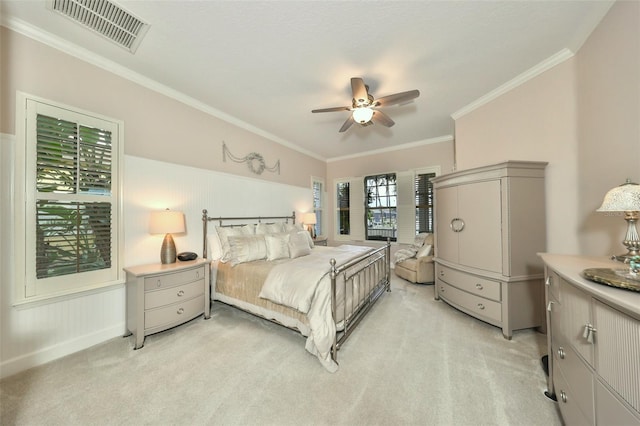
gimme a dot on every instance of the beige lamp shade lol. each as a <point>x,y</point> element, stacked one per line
<point>166,222</point>
<point>309,219</point>
<point>623,198</point>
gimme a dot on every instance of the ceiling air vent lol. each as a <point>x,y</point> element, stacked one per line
<point>105,18</point>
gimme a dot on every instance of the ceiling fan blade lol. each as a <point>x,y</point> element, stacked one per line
<point>331,109</point>
<point>380,117</point>
<point>347,124</point>
<point>359,90</point>
<point>397,98</point>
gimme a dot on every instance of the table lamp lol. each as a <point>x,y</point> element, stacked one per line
<point>310,220</point>
<point>625,198</point>
<point>167,222</point>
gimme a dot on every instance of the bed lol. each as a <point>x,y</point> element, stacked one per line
<point>269,266</point>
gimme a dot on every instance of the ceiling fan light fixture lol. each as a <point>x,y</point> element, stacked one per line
<point>362,115</point>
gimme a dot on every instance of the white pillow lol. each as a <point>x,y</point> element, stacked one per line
<point>224,232</point>
<point>298,244</point>
<point>277,246</point>
<point>418,241</point>
<point>246,248</point>
<point>425,250</point>
<point>290,227</point>
<point>268,228</point>
<point>215,249</point>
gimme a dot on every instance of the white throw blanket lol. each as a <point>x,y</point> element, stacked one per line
<point>305,284</point>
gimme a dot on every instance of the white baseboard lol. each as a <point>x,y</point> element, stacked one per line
<point>43,356</point>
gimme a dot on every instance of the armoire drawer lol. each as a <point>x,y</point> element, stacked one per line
<point>176,313</point>
<point>173,279</point>
<point>470,283</point>
<point>167,296</point>
<point>477,306</point>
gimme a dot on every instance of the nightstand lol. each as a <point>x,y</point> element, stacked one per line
<point>164,296</point>
<point>320,240</point>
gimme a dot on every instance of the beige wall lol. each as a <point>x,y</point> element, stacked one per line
<point>568,116</point>
<point>608,67</point>
<point>156,126</point>
<point>417,157</point>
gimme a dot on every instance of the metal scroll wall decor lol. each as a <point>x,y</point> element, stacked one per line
<point>254,161</point>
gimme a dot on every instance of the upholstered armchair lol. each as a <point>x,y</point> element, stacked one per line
<point>418,268</point>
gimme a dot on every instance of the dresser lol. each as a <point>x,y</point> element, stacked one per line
<point>161,296</point>
<point>489,227</point>
<point>594,344</point>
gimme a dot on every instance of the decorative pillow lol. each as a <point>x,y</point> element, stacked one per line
<point>298,244</point>
<point>224,232</point>
<point>269,228</point>
<point>277,246</point>
<point>404,254</point>
<point>246,248</point>
<point>418,241</point>
<point>425,250</point>
<point>290,227</point>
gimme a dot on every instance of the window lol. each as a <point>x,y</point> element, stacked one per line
<point>318,197</point>
<point>69,222</point>
<point>343,205</point>
<point>424,202</point>
<point>380,208</point>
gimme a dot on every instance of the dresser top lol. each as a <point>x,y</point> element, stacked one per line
<point>570,267</point>
<point>159,268</point>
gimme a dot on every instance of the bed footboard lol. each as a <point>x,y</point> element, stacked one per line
<point>363,281</point>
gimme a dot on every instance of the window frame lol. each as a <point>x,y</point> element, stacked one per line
<point>338,235</point>
<point>388,197</point>
<point>318,208</point>
<point>28,288</point>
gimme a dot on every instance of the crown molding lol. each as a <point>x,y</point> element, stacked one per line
<point>439,139</point>
<point>533,72</point>
<point>85,55</point>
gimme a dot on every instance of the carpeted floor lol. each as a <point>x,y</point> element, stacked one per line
<point>412,361</point>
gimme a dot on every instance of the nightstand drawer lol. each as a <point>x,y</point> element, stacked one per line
<point>176,313</point>
<point>173,279</point>
<point>154,299</point>
<point>471,283</point>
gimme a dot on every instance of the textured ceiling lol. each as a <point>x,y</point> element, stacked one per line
<point>266,64</point>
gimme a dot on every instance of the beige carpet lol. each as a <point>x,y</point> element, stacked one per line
<point>412,361</point>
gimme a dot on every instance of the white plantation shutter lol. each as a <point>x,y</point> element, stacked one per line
<point>72,203</point>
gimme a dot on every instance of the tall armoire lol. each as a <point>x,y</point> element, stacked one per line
<point>489,227</point>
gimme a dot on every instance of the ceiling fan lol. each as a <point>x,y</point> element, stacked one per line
<point>363,105</point>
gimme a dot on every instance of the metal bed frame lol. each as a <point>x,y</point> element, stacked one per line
<point>371,270</point>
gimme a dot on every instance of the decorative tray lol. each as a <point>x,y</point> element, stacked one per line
<point>620,278</point>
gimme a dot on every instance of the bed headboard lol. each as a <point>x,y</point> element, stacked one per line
<point>237,221</point>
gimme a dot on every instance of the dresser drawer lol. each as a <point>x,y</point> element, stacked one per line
<point>155,299</point>
<point>176,278</point>
<point>576,374</point>
<point>470,283</point>
<point>479,307</point>
<point>567,401</point>
<point>176,313</point>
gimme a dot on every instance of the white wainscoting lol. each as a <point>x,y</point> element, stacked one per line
<point>35,334</point>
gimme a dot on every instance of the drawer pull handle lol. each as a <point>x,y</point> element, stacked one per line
<point>563,396</point>
<point>181,293</point>
<point>180,311</point>
<point>549,306</point>
<point>442,289</point>
<point>561,353</point>
<point>158,283</point>
<point>442,273</point>
<point>479,286</point>
<point>589,333</point>
<point>197,274</point>
<point>481,306</point>
<point>548,281</point>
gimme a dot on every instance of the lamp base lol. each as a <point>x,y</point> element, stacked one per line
<point>168,250</point>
